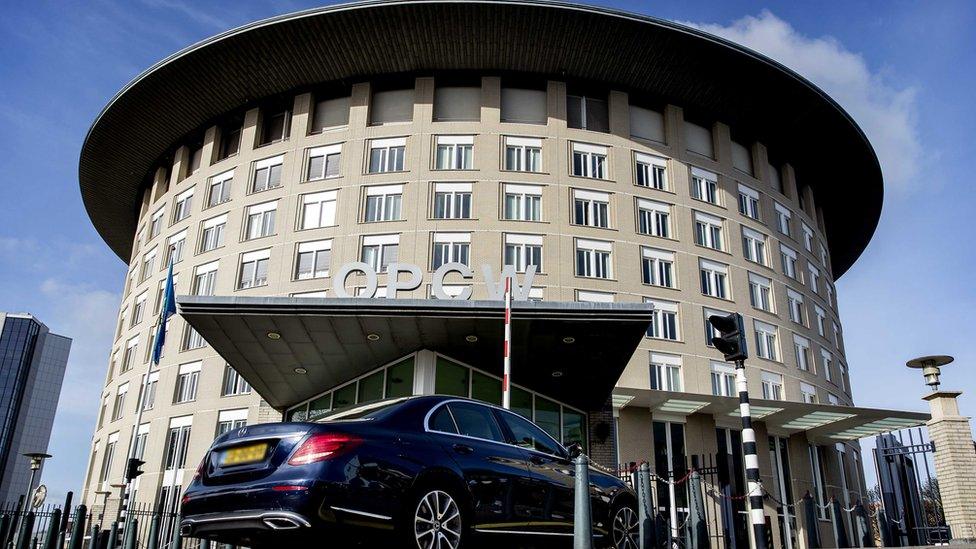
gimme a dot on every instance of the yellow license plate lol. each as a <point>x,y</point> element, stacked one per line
<point>245,454</point>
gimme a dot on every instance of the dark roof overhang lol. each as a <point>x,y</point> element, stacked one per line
<point>348,42</point>
<point>328,338</point>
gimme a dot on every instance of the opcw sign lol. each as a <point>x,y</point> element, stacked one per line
<point>406,277</point>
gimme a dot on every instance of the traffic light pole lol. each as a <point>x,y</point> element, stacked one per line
<point>751,457</point>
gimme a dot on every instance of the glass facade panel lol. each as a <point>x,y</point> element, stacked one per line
<point>547,416</point>
<point>399,379</point>
<point>486,388</point>
<point>451,378</point>
<point>345,396</point>
<point>371,388</point>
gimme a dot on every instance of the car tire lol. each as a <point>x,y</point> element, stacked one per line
<point>435,518</point>
<point>624,531</point>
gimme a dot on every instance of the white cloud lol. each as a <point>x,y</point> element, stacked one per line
<point>886,113</point>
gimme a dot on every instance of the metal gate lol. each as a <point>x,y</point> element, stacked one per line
<point>910,506</point>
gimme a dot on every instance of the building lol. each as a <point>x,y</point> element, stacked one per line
<point>633,189</point>
<point>32,362</point>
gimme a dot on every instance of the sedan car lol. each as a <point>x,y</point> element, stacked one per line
<point>431,470</point>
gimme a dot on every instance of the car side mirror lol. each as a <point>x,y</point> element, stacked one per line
<point>574,449</point>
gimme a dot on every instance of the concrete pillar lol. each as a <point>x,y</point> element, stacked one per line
<point>955,463</point>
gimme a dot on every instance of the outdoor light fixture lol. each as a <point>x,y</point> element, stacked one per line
<point>569,339</point>
<point>373,337</point>
<point>274,336</point>
<point>557,373</point>
<point>471,338</point>
<point>931,368</point>
<point>301,370</point>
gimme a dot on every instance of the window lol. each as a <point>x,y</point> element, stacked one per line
<point>528,435</point>
<point>646,124</point>
<point>450,248</point>
<point>275,124</point>
<point>118,409</point>
<point>524,105</point>
<point>664,320</point>
<point>523,154</point>
<point>708,231</point>
<point>386,155</point>
<point>380,250</point>
<point>842,377</point>
<point>260,220</point>
<point>149,394</point>
<point>148,264</point>
<point>775,178</point>
<point>772,386</point>
<point>714,279</point>
<point>807,237</point>
<point>383,202</point>
<point>801,348</point>
<point>754,246</point>
<point>129,356</point>
<point>836,330</point>
<point>187,381</point>
<point>156,225</point>
<point>330,113</point>
<point>324,162</point>
<point>139,309</point>
<point>820,487</point>
<point>587,113</point>
<point>205,279</point>
<point>522,250</point>
<point>476,421</point>
<point>195,158</point>
<point>212,233</point>
<point>589,161</point>
<point>218,190</point>
<point>723,380</point>
<point>591,208</point>
<point>832,399</point>
<point>191,339</point>
<point>233,383</point>
<point>593,258</point>
<point>267,174</point>
<point>787,258</point>
<point>741,158</point>
<point>760,292</point>
<point>808,393</point>
<point>454,152</point>
<point>231,420</point>
<point>452,201</point>
<point>653,218</point>
<point>814,278</point>
<point>783,217</point>
<point>665,372</point>
<point>766,346</point>
<point>748,202</point>
<point>391,106</point>
<point>794,302</point>
<point>830,293</point>
<point>107,458</point>
<point>458,103</point>
<point>704,186</point>
<point>313,259</point>
<point>651,171</point>
<point>177,441</point>
<point>821,320</point>
<point>657,267</point>
<point>826,362</point>
<point>174,252</point>
<point>254,269</point>
<point>318,210</point>
<point>184,203</point>
<point>523,202</point>
<point>590,296</point>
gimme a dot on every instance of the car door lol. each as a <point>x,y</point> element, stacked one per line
<point>551,469</point>
<point>496,473</point>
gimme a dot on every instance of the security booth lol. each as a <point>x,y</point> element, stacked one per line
<point>306,356</point>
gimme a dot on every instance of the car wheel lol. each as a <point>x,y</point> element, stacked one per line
<point>624,528</point>
<point>437,521</point>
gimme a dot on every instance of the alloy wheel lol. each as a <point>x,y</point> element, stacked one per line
<point>626,531</point>
<point>437,521</point>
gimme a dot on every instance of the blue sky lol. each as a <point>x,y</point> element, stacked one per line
<point>905,71</point>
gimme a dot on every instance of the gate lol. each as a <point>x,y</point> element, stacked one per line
<point>910,510</point>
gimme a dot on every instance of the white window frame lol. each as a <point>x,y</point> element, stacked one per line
<point>223,182</point>
<point>318,210</point>
<point>754,246</point>
<point>654,218</point>
<point>596,256</point>
<point>772,386</point>
<point>723,379</point>
<point>658,267</point>
<point>589,161</point>
<point>794,301</point>
<point>213,232</point>
<point>325,153</point>
<point>814,278</point>
<point>205,279</point>
<point>704,186</point>
<point>761,293</point>
<point>522,196</point>
<point>807,236</point>
<point>767,341</point>
<point>653,170</point>
<point>523,154</point>
<point>666,321</point>
<point>256,257</point>
<point>788,261</point>
<point>381,247</point>
<point>156,223</point>
<point>392,153</point>
<point>316,250</point>
<point>749,202</point>
<point>454,152</point>
<point>666,372</point>
<point>714,279</point>
<point>593,206</point>
<point>801,352</point>
<point>450,248</point>
<point>183,205</point>
<point>452,201</point>
<point>187,382</point>
<point>709,231</point>
<point>259,220</point>
<point>821,320</point>
<point>783,218</point>
<point>524,249</point>
<point>267,166</point>
<point>808,393</point>
<point>388,200</point>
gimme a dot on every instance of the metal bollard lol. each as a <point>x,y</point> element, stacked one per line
<point>65,517</point>
<point>78,530</point>
<point>644,514</point>
<point>5,523</point>
<point>113,536</point>
<point>26,527</point>
<point>153,541</point>
<point>93,541</point>
<point>812,524</point>
<point>177,542</point>
<point>130,534</point>
<point>582,521</point>
<point>54,525</point>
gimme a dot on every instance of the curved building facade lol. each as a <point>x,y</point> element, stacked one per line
<point>645,185</point>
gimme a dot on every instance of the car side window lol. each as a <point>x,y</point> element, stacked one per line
<point>442,421</point>
<point>528,435</point>
<point>476,421</point>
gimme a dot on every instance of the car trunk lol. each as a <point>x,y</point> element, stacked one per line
<point>252,452</point>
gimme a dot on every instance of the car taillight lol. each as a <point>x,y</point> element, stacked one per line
<point>199,473</point>
<point>323,446</point>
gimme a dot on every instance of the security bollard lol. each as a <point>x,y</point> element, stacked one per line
<point>65,517</point>
<point>78,531</point>
<point>51,539</point>
<point>5,524</point>
<point>644,511</point>
<point>131,533</point>
<point>177,542</point>
<point>113,536</point>
<point>95,534</point>
<point>153,541</point>
<point>26,528</point>
<point>582,522</point>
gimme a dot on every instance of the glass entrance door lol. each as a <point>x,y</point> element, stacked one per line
<point>671,463</point>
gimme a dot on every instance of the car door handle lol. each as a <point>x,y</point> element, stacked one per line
<point>463,449</point>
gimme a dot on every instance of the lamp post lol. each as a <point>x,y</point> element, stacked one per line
<point>36,460</point>
<point>931,368</point>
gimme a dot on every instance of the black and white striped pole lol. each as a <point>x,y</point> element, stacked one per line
<point>731,341</point>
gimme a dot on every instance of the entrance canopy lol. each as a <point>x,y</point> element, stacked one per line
<point>820,421</point>
<point>291,349</point>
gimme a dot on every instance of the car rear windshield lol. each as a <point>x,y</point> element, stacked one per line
<point>363,412</point>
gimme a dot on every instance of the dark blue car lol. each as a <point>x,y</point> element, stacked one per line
<point>431,470</point>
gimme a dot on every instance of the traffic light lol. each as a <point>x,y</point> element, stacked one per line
<point>732,336</point>
<point>132,470</point>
